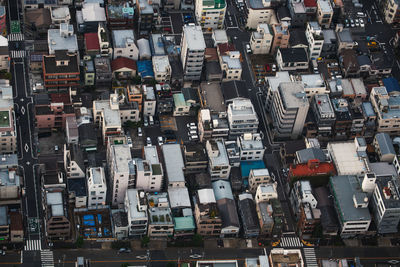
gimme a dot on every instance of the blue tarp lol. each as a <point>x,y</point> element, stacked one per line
<point>99,218</point>
<point>246,166</point>
<point>88,217</point>
<point>145,69</point>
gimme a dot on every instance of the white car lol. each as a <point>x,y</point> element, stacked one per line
<point>139,132</point>
<point>129,141</point>
<point>192,124</point>
<point>160,140</point>
<point>145,122</point>
<point>248,49</point>
<point>362,24</point>
<point>148,141</point>
<point>196,256</point>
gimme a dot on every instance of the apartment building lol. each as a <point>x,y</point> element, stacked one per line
<point>104,40</point>
<point>96,186</point>
<point>160,224</point>
<point>386,205</point>
<point>248,214</point>
<point>231,66</point>
<point>384,147</point>
<point>174,165</point>
<point>120,14</point>
<point>107,116</point>
<point>298,13</point>
<point>387,108</point>
<point>266,192</point>
<point>351,205</point>
<point>89,17</point>
<point>4,54</point>
<point>281,36</point>
<point>301,194</point>
<point>208,219</point>
<point>73,162</point>
<point>136,208</point>
<point>261,40</point>
<point>192,52</point>
<point>62,39</point>
<point>60,15</point>
<point>124,44</point>
<point>258,177</point>
<point>212,125</point>
<point>149,101</point>
<point>391,11</point>
<point>120,171</point>
<point>324,13</point>
<point>289,110</point>
<point>218,167</point>
<point>149,172</point>
<point>146,13</point>
<point>184,223</point>
<point>251,147</point>
<point>315,39</point>
<point>8,134</point>
<point>104,74</point>
<point>242,117</point>
<point>56,215</point>
<point>162,69</point>
<point>195,156</point>
<point>324,114</point>
<point>291,59</point>
<point>60,71</point>
<point>210,13</point>
<point>258,12</point>
<point>10,191</point>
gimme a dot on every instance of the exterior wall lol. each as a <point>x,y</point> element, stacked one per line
<point>206,225</point>
<point>210,17</point>
<point>129,115</point>
<point>255,181</point>
<point>391,11</point>
<point>58,227</point>
<point>259,16</point>
<point>4,62</point>
<point>96,192</point>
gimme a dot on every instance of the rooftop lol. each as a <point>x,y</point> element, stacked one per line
<point>179,197</point>
<point>344,188</point>
<point>293,95</point>
<point>173,162</point>
<point>121,155</point>
<point>280,77</point>
<point>55,200</point>
<point>62,39</point>
<point>222,189</point>
<point>220,158</point>
<point>135,213</point>
<point>123,37</point>
<point>161,64</point>
<point>194,37</point>
<point>388,188</point>
<point>346,158</point>
<point>293,55</point>
<point>212,97</point>
<point>93,12</point>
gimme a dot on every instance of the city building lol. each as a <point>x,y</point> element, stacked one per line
<point>174,165</point>
<point>265,218</point>
<point>251,147</point>
<point>56,215</point>
<point>149,101</point>
<point>286,257</point>
<point>289,110</point>
<point>218,167</point>
<point>120,223</point>
<point>60,15</point>
<point>123,68</point>
<point>261,40</point>
<point>104,76</point>
<point>391,11</point>
<point>107,116</point>
<point>121,174</point>
<point>258,177</point>
<point>248,215</point>
<point>184,223</point>
<point>160,222</point>
<point>211,13</point>
<point>324,114</point>
<point>61,71</point>
<point>146,15</point>
<point>120,14</point>
<point>195,156</point>
<point>136,208</point>
<point>208,219</point>
<point>258,12</point>
<point>384,147</point>
<point>8,131</point>
<point>289,59</point>
<point>104,40</point>
<point>227,209</point>
<point>324,13</point>
<point>96,186</point>
<point>162,69</point>
<point>90,16</point>
<point>62,39</point>
<point>124,44</point>
<point>181,106</point>
<point>4,54</point>
<point>192,52</point>
<point>386,205</point>
<point>242,117</point>
<point>231,65</point>
<point>212,125</point>
<point>351,205</point>
<point>387,110</point>
<point>315,38</point>
<point>281,36</point>
<point>149,172</point>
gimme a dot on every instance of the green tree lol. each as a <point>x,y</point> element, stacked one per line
<point>145,241</point>
<point>125,264</point>
<point>171,264</point>
<point>79,242</point>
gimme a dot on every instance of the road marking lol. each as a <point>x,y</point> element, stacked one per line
<point>22,100</point>
<point>28,163</point>
<point>18,53</point>
<point>291,241</point>
<point>26,147</point>
<point>33,245</point>
<point>15,37</point>
<point>47,258</point>
<point>23,111</point>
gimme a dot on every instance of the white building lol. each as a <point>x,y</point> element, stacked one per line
<point>258,177</point>
<point>149,101</point>
<point>315,39</point>
<point>324,13</point>
<point>192,52</point>
<point>302,194</point>
<point>149,172</point>
<point>259,12</point>
<point>289,110</point>
<point>314,84</point>
<point>251,147</point>
<point>62,39</point>
<point>60,15</point>
<point>351,205</point>
<point>136,208</point>
<point>266,192</point>
<point>118,158</point>
<point>231,66</point>
<point>218,167</point>
<point>107,115</point>
<point>104,41</point>
<point>124,44</point>
<point>242,117</point>
<point>161,68</point>
<point>261,40</point>
<point>210,14</point>
<point>97,186</point>
<point>4,54</point>
<point>174,165</point>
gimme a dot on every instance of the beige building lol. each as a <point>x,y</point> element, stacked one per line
<point>208,220</point>
<point>56,216</point>
<point>258,177</point>
<point>286,257</point>
<point>324,13</point>
<point>8,134</point>
<point>160,223</point>
<point>231,66</point>
<point>387,109</point>
<point>281,36</point>
<point>210,13</point>
<point>161,68</point>
<point>259,12</point>
<point>391,11</point>
<point>4,56</point>
<point>261,40</point>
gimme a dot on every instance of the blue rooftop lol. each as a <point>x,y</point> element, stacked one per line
<point>391,84</point>
<point>145,68</point>
<point>368,109</point>
<point>246,166</point>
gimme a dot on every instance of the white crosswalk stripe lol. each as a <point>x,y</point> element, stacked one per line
<point>47,258</point>
<point>15,37</point>
<point>17,53</point>
<point>291,241</point>
<point>311,259</point>
<point>33,245</point>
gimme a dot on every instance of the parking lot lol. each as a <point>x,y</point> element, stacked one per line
<point>262,65</point>
<point>47,145</point>
<point>178,19</point>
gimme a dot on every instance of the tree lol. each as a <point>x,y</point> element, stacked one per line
<point>125,264</point>
<point>145,241</point>
<point>136,80</point>
<point>79,242</point>
<point>171,264</point>
<point>197,240</point>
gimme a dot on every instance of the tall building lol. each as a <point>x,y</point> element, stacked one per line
<point>210,13</point>
<point>391,11</point>
<point>315,39</point>
<point>242,117</point>
<point>192,53</point>
<point>324,13</point>
<point>324,114</point>
<point>208,218</point>
<point>289,110</point>
<point>149,173</point>
<point>386,204</point>
<point>97,186</point>
<point>8,133</point>
<point>136,208</point>
<point>261,40</point>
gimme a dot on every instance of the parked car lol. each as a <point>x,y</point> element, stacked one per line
<point>248,49</point>
<point>151,120</point>
<point>145,122</point>
<point>160,140</point>
<point>129,141</point>
<point>273,67</point>
<point>139,132</point>
<point>192,124</point>
<point>124,250</point>
<point>148,141</point>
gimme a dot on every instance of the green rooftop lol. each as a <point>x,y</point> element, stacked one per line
<point>184,223</point>
<point>4,119</point>
<point>216,3</point>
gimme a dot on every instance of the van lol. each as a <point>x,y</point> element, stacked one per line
<point>193,128</point>
<point>192,132</point>
<point>151,120</point>
<point>194,137</point>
